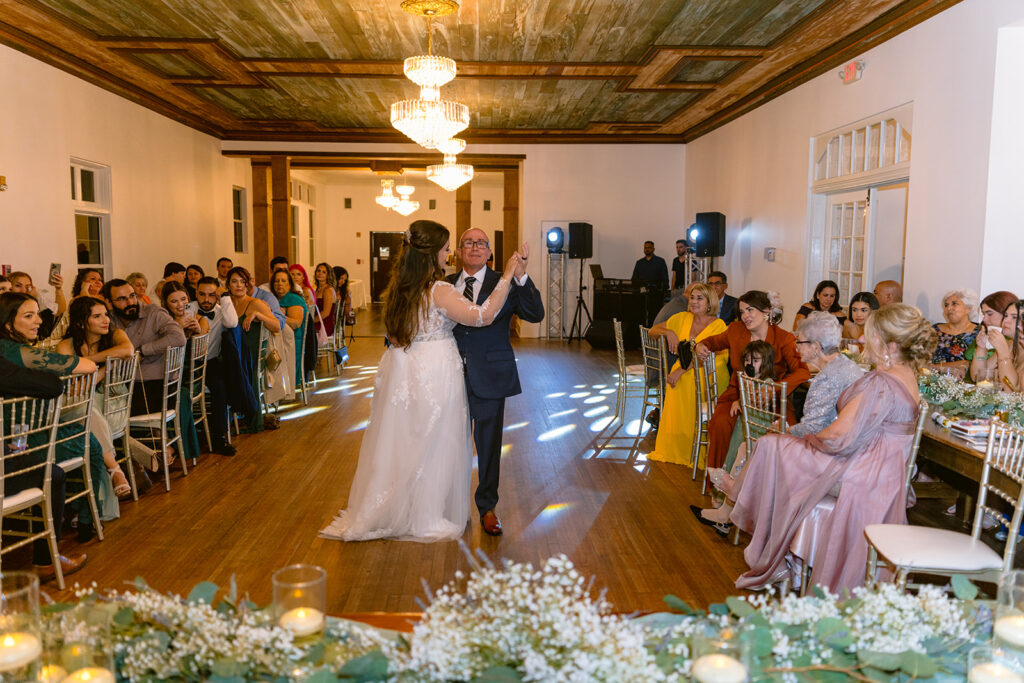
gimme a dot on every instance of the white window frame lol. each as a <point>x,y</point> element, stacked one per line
<point>100,208</point>
<point>242,221</point>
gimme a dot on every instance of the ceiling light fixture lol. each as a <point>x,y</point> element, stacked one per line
<point>429,120</point>
<point>450,175</point>
<point>404,205</point>
<point>387,197</point>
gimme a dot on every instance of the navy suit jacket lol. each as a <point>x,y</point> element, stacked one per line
<point>490,361</point>
<point>727,308</point>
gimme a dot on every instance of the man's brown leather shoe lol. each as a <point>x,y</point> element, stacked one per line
<point>68,565</point>
<point>491,524</point>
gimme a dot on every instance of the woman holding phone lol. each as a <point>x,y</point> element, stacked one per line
<point>175,300</point>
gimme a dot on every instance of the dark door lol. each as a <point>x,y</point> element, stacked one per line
<point>384,248</point>
<point>498,251</point>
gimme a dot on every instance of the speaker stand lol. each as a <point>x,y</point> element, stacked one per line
<point>576,332</point>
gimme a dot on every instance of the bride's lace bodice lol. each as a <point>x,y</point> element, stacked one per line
<point>448,308</point>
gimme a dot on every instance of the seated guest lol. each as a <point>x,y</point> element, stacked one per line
<point>993,355</point>
<point>818,344</point>
<point>727,304</point>
<point>864,451</point>
<point>173,271</point>
<point>675,429</point>
<point>957,334</point>
<point>91,336</point>
<point>325,294</point>
<point>250,305</point>
<point>861,306</point>
<point>277,263</point>
<point>89,281</point>
<point>221,316</point>
<point>341,278</point>
<point>224,264</point>
<point>19,329</point>
<point>889,292</point>
<point>174,298</point>
<point>5,284</point>
<point>302,285</point>
<point>140,284</point>
<point>152,331</point>
<point>759,320</point>
<point>678,302</point>
<point>825,298</point>
<point>294,307</point>
<point>192,276</point>
<point>22,282</point>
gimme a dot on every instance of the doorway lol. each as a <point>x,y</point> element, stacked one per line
<point>384,248</point>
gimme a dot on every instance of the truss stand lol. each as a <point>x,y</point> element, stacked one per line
<point>556,296</point>
<point>697,268</point>
<point>576,332</point>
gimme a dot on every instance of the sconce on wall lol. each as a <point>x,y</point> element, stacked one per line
<point>3,183</point>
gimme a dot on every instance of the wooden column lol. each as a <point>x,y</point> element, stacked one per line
<point>463,210</point>
<point>262,232</point>
<point>281,205</point>
<point>510,226</point>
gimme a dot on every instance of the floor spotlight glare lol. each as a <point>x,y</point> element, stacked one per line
<point>693,233</point>
<point>555,239</point>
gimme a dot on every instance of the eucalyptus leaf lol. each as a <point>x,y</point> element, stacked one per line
<point>678,605</point>
<point>373,666</point>
<point>761,641</point>
<point>125,616</point>
<point>739,607</point>
<point>876,674</point>
<point>315,653</point>
<point>322,676</point>
<point>233,590</point>
<point>818,592</point>
<point>918,665</point>
<point>499,674</point>
<point>886,661</point>
<point>227,668</point>
<point>203,592</point>
<point>963,588</point>
<point>719,609</point>
<point>215,678</point>
<point>140,583</point>
<point>758,619</point>
<point>829,625</point>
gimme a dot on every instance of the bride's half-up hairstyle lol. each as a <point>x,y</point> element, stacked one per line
<point>411,278</point>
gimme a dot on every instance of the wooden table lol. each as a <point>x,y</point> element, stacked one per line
<point>954,462</point>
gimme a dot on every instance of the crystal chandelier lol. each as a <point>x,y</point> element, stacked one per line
<point>429,120</point>
<point>404,205</point>
<point>450,175</point>
<point>387,197</point>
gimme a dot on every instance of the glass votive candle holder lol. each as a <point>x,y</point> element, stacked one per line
<point>300,599</point>
<point>987,664</point>
<point>20,639</point>
<point>1008,624</point>
<point>720,656</point>
<point>81,651</point>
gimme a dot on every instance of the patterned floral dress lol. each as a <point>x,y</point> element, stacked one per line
<point>953,347</point>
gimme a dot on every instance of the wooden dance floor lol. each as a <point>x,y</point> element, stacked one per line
<point>625,521</point>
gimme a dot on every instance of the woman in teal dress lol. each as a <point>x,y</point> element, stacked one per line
<point>19,329</point>
<point>295,310</point>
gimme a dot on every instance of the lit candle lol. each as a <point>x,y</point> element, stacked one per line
<point>92,674</point>
<point>718,669</point>
<point>1010,630</point>
<point>51,673</point>
<point>18,649</point>
<point>993,672</point>
<point>302,621</point>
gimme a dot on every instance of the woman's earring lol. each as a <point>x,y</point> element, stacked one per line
<point>888,363</point>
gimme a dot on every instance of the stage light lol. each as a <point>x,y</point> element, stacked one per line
<point>694,233</point>
<point>556,240</point>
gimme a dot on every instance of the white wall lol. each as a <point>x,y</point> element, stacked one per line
<point>629,193</point>
<point>171,187</point>
<point>756,169</point>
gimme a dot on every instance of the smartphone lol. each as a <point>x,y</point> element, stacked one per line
<point>192,308</point>
<point>6,269</point>
<point>54,270</point>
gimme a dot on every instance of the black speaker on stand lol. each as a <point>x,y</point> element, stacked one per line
<point>581,246</point>
<point>710,239</point>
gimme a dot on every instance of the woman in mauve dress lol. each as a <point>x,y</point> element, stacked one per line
<point>864,450</point>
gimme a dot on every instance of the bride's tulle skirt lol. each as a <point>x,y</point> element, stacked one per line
<point>415,463</point>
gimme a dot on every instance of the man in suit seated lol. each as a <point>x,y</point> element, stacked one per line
<point>726,303</point>
<point>490,362</point>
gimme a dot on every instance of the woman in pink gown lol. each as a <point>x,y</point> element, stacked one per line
<point>864,451</point>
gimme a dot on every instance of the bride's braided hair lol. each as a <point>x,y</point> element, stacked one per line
<point>412,276</point>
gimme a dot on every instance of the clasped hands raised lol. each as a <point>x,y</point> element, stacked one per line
<point>516,264</point>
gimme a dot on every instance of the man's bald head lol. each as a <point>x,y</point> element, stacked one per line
<point>474,250</point>
<point>888,292</point>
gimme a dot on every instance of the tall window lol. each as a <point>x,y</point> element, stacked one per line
<point>293,238</point>
<point>238,218</point>
<point>312,240</point>
<point>90,192</point>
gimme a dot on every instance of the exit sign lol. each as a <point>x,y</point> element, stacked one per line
<point>851,72</point>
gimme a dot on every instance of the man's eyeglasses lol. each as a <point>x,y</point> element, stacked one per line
<point>479,244</point>
<point>714,282</point>
<point>126,299</point>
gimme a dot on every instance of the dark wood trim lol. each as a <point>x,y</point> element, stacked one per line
<point>463,208</point>
<point>262,237</point>
<point>281,187</point>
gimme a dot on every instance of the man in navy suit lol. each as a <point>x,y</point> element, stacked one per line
<point>727,310</point>
<point>490,362</point>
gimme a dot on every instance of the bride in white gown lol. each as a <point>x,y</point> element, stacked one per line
<point>415,464</point>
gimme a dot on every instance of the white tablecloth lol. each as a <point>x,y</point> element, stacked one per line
<point>358,293</point>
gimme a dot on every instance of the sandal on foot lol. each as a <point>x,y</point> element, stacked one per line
<point>122,489</point>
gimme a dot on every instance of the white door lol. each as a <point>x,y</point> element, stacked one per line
<point>847,243</point>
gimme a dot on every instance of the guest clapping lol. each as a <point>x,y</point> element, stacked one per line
<point>825,298</point>
<point>958,333</point>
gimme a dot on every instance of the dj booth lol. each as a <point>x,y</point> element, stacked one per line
<point>633,304</point>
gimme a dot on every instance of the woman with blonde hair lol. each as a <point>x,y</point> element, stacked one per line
<point>675,428</point>
<point>415,463</point>
<point>864,451</point>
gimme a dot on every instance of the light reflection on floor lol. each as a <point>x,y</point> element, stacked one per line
<point>562,413</point>
<point>580,394</point>
<point>595,399</point>
<point>506,448</point>
<point>556,433</point>
<point>598,425</point>
<point>557,394</point>
<point>359,426</point>
<point>302,413</point>
<point>596,411</point>
<point>517,425</point>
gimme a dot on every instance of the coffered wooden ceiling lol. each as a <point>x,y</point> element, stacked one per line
<point>529,70</point>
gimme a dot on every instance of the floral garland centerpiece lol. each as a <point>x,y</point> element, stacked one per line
<point>958,398</point>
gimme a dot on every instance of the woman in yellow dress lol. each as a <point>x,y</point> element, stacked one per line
<point>675,430</point>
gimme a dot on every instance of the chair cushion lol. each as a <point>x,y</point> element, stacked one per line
<point>22,499</point>
<point>922,548</point>
<point>152,419</point>
<point>71,463</point>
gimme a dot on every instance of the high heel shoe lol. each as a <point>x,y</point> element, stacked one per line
<point>720,528</point>
<point>122,489</point>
